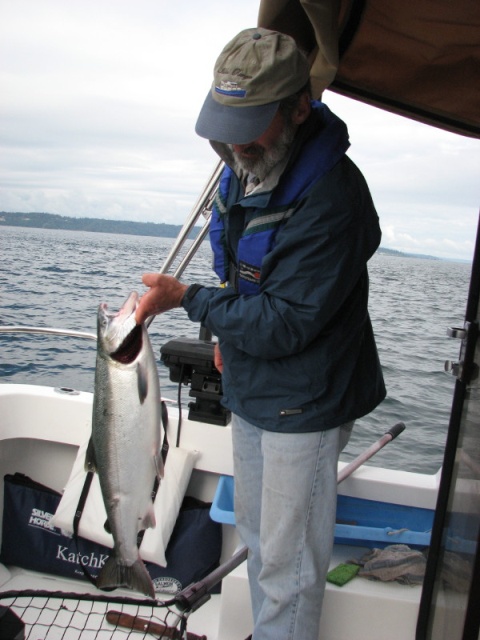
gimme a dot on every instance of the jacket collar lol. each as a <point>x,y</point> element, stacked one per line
<point>322,127</point>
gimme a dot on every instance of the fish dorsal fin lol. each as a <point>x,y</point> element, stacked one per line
<point>142,383</point>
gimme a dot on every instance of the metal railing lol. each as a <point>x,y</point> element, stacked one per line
<point>47,331</point>
<point>203,206</point>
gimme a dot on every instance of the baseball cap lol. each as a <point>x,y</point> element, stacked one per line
<point>254,72</point>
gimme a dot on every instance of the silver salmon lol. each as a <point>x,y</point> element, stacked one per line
<point>125,447</point>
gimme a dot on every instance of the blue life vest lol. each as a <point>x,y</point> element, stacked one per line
<point>318,155</point>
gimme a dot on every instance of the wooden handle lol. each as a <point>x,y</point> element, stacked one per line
<point>147,626</point>
<point>139,624</point>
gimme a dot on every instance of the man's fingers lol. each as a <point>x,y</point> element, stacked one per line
<point>150,279</point>
<point>164,293</point>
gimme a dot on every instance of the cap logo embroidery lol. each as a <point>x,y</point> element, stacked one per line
<point>228,88</point>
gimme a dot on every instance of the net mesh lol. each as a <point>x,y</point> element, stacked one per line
<point>73,616</point>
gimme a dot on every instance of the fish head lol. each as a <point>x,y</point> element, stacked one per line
<point>118,334</point>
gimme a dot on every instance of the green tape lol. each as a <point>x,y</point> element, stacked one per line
<point>342,574</point>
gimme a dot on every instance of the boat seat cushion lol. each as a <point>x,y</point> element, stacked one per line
<point>178,469</point>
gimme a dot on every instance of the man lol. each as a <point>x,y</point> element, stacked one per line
<point>292,230</point>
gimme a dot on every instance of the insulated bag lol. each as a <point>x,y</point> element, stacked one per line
<point>30,541</point>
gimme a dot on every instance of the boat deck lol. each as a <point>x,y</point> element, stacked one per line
<point>227,616</point>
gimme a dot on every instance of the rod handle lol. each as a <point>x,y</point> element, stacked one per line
<point>396,430</point>
<point>147,626</point>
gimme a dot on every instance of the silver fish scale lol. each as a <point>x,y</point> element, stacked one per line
<point>126,439</point>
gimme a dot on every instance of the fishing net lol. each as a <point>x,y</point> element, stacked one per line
<point>52,615</point>
<point>73,616</point>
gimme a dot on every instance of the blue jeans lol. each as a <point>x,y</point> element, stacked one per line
<point>285,505</point>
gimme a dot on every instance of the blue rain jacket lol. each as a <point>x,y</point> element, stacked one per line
<point>241,266</point>
<point>299,355</point>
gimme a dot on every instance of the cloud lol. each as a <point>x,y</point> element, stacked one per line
<point>424,181</point>
<point>98,107</point>
<point>98,115</point>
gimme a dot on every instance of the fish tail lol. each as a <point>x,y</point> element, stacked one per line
<point>115,574</point>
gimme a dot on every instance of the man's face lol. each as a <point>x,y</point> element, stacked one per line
<point>261,155</point>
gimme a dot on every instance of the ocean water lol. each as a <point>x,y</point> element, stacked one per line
<point>57,279</point>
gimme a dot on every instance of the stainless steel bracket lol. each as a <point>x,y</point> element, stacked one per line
<point>465,370</point>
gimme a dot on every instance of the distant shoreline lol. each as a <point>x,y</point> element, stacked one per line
<point>35,220</point>
<point>98,225</point>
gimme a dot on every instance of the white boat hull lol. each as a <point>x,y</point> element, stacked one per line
<point>41,430</point>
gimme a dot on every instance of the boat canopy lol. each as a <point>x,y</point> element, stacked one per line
<point>417,59</point>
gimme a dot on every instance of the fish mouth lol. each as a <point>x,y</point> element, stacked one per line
<point>129,306</point>
<point>132,343</point>
<point>121,335</point>
<point>130,348</point>
<point>127,309</point>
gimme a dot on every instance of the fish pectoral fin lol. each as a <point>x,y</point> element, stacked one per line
<point>90,458</point>
<point>159,467</point>
<point>107,527</point>
<point>148,521</point>
<point>142,383</point>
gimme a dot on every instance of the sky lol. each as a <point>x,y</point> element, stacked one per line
<point>98,103</point>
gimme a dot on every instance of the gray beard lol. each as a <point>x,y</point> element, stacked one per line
<point>266,160</point>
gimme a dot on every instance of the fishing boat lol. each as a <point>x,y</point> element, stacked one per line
<point>433,48</point>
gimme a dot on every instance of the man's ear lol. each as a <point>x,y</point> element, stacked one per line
<point>302,110</point>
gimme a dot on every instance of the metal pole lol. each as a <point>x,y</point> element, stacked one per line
<point>205,198</point>
<point>47,331</point>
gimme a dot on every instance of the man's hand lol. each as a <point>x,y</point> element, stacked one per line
<point>165,293</point>
<point>217,358</point>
